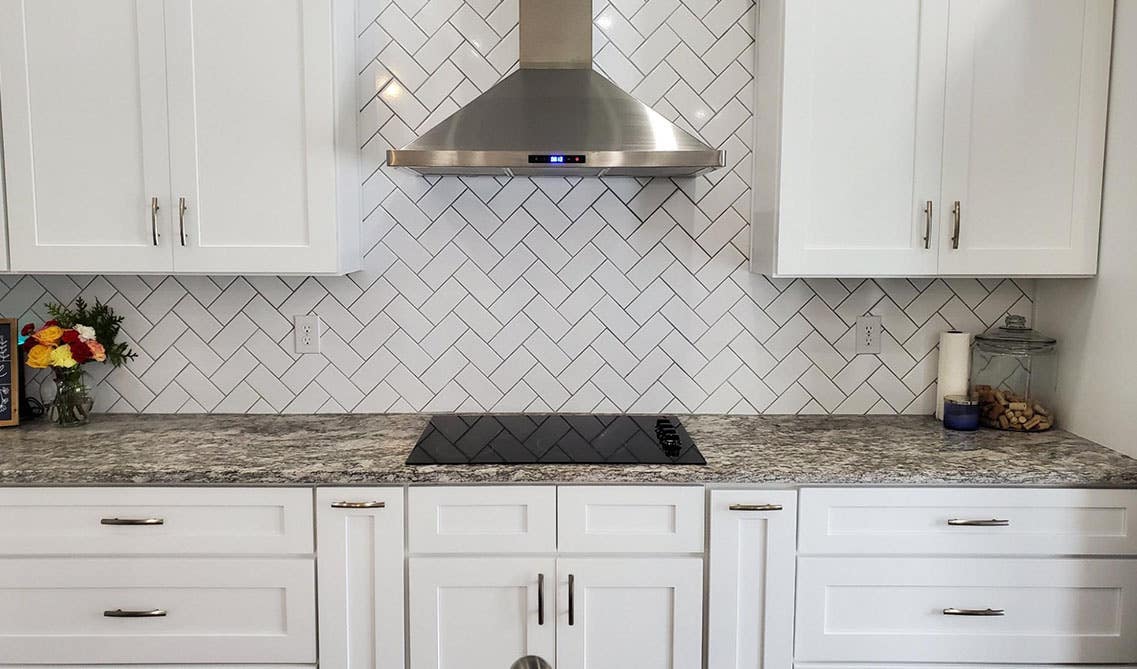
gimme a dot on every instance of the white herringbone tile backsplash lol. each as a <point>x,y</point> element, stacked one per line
<point>537,294</point>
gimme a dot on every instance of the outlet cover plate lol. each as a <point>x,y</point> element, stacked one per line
<point>868,335</point>
<point>307,333</point>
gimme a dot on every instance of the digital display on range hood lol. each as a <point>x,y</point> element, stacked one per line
<point>557,159</point>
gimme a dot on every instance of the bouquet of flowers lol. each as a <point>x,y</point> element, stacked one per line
<point>75,336</point>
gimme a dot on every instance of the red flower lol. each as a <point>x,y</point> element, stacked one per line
<point>79,351</point>
<point>50,323</point>
<point>70,337</point>
<point>28,330</point>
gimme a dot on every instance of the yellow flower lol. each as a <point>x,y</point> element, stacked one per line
<point>39,357</point>
<point>61,357</point>
<point>49,336</point>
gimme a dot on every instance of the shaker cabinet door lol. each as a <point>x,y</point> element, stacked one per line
<point>481,612</point>
<point>645,613</point>
<point>862,122</point>
<point>1024,137</point>
<point>252,135</point>
<point>359,538</point>
<point>85,139</point>
<point>751,579</point>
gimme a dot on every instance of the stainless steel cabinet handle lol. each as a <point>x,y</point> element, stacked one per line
<point>540,599</point>
<point>974,612</point>
<point>572,599</point>
<point>956,213</point>
<point>928,224</point>
<point>358,505</point>
<point>972,522</point>
<point>154,219</point>
<point>182,219</point>
<point>755,507</point>
<point>119,613</point>
<point>132,521</point>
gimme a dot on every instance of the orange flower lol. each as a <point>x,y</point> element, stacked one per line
<point>39,357</point>
<point>49,336</point>
<point>98,353</point>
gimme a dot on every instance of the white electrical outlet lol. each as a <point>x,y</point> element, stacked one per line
<point>868,334</point>
<point>307,333</point>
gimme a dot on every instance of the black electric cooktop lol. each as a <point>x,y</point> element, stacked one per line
<point>518,439</point>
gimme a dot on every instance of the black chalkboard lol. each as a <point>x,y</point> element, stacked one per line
<point>9,373</point>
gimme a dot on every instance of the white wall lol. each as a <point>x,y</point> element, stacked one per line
<point>1096,320</point>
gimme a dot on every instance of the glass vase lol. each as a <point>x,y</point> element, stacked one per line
<point>73,400</point>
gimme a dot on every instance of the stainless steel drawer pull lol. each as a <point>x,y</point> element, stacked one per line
<point>968,522</point>
<point>928,224</point>
<point>572,600</point>
<point>957,214</point>
<point>119,613</point>
<point>182,219</point>
<point>974,612</point>
<point>154,220</point>
<point>132,521</point>
<point>540,599</point>
<point>358,505</point>
<point>755,507</point>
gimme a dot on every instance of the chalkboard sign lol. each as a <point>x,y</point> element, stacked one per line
<point>9,372</point>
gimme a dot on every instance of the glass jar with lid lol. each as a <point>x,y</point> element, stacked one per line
<point>1012,377</point>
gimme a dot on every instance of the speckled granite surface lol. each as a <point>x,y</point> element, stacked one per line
<point>362,449</point>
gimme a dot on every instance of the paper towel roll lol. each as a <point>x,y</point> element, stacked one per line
<point>955,367</point>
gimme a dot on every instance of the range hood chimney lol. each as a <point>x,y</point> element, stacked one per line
<point>557,116</point>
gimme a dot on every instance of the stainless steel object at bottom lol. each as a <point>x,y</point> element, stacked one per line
<point>530,662</point>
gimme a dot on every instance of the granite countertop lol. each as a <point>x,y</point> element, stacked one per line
<point>371,449</point>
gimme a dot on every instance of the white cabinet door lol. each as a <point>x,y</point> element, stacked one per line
<point>861,114</point>
<point>359,536</point>
<point>750,606</point>
<point>3,214</point>
<point>1024,136</point>
<point>85,140</point>
<point>480,612</point>
<point>645,613</point>
<point>253,135</point>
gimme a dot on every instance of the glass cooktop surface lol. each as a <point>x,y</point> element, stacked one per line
<point>608,439</point>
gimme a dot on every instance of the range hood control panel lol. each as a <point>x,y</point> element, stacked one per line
<point>556,159</point>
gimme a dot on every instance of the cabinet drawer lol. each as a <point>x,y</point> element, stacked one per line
<point>197,521</point>
<point>56,610</point>
<point>928,521</point>
<point>482,519</point>
<point>625,519</point>
<point>888,609</point>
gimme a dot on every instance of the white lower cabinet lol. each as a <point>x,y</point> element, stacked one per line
<point>480,612</point>
<point>614,613</point>
<point>133,610</point>
<point>890,609</point>
<point>751,580</point>
<point>360,574</point>
<point>576,613</point>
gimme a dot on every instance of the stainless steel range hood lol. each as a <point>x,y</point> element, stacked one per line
<point>556,116</point>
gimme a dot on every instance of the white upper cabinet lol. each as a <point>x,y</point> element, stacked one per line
<point>878,116</point>
<point>1024,136</point>
<point>195,136</point>
<point>860,138</point>
<point>3,218</point>
<point>83,95</point>
<point>253,137</point>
